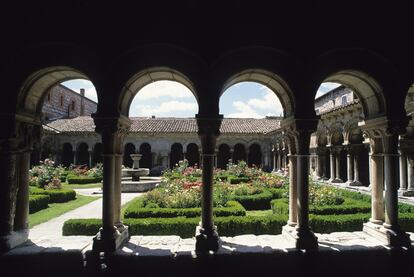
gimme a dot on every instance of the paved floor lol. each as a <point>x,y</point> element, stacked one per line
<point>50,232</point>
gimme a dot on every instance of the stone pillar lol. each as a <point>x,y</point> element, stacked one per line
<point>206,232</point>
<point>75,157</point>
<point>403,173</point>
<point>113,233</point>
<point>21,220</point>
<point>274,160</point>
<point>293,205</point>
<point>377,189</point>
<point>390,232</point>
<point>410,175</point>
<point>90,158</point>
<point>337,168</point>
<point>332,166</point>
<point>356,181</point>
<point>350,172</point>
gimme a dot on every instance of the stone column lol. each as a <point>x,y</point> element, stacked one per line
<point>332,165</point>
<point>21,220</point>
<point>113,233</point>
<point>75,157</point>
<point>274,160</point>
<point>356,181</point>
<point>293,204</point>
<point>90,158</point>
<point>410,175</point>
<point>337,168</point>
<point>206,232</point>
<point>377,189</point>
<point>350,172</point>
<point>403,173</point>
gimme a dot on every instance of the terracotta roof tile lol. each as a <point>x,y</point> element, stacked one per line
<point>85,124</point>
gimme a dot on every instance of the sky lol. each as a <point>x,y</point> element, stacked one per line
<point>172,99</point>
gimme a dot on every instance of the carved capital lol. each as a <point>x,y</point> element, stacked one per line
<point>208,131</point>
<point>300,131</point>
<point>113,131</point>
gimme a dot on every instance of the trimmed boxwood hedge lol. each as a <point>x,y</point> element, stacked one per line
<point>56,195</point>
<point>238,180</point>
<point>350,206</point>
<point>229,226</point>
<point>75,179</point>
<point>260,201</point>
<point>136,210</point>
<point>38,202</point>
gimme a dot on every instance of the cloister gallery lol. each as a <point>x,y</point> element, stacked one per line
<point>366,141</point>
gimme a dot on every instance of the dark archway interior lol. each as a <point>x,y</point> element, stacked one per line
<point>146,159</point>
<point>255,155</point>
<point>128,150</point>
<point>223,156</point>
<point>239,153</point>
<point>97,154</point>
<point>176,154</point>
<point>192,154</point>
<point>67,154</point>
<point>83,155</point>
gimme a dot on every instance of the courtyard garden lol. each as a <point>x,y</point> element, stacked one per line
<point>246,200</point>
<point>51,189</point>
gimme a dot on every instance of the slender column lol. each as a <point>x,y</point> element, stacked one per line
<point>293,204</point>
<point>274,160</point>
<point>403,173</point>
<point>118,190</point>
<point>350,173</point>
<point>377,188</point>
<point>206,232</point>
<point>90,158</point>
<point>21,220</point>
<point>75,157</point>
<point>410,175</point>
<point>332,166</point>
<point>337,168</point>
<point>356,170</point>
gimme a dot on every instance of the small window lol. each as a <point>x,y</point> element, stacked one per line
<point>344,100</point>
<point>61,100</point>
<point>73,105</point>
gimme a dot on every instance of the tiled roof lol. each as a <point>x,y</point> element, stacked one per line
<point>85,124</point>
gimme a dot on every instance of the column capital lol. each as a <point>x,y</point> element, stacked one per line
<point>208,131</point>
<point>298,132</point>
<point>113,130</point>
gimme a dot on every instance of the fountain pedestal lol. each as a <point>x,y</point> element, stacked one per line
<point>135,180</point>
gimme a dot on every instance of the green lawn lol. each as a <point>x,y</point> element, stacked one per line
<point>259,213</point>
<point>81,186</point>
<point>57,209</point>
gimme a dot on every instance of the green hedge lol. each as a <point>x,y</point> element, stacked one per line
<point>38,202</point>
<point>350,206</point>
<point>136,210</point>
<point>75,179</point>
<point>260,201</point>
<point>56,195</point>
<point>229,226</point>
<point>238,180</point>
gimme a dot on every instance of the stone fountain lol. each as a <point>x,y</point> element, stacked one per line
<point>135,179</point>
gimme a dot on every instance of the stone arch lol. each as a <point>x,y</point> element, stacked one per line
<point>223,155</point>
<point>67,154</point>
<point>239,153</point>
<point>129,149</point>
<point>192,154</point>
<point>97,153</point>
<point>146,159</point>
<point>147,76</point>
<point>176,154</point>
<point>82,154</point>
<point>266,66</point>
<point>255,155</point>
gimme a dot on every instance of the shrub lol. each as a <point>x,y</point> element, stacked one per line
<point>96,172</point>
<point>323,195</point>
<point>75,179</point>
<point>38,202</point>
<point>238,180</point>
<point>56,196</point>
<point>228,226</point>
<point>46,175</point>
<point>138,210</point>
<point>350,206</point>
<point>260,201</point>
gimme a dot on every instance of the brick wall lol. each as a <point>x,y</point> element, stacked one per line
<point>62,102</point>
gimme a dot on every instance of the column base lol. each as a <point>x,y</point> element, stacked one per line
<point>206,241</point>
<point>110,243</point>
<point>355,184</point>
<point>407,193</point>
<point>394,238</point>
<point>337,180</point>
<point>304,239</point>
<point>13,240</point>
